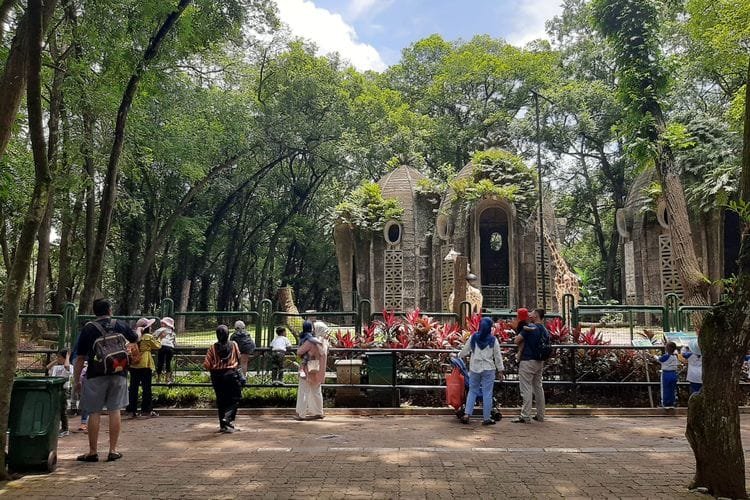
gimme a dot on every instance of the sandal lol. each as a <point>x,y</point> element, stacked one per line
<point>113,455</point>
<point>88,458</point>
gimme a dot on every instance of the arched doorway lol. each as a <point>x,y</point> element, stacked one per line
<point>494,257</point>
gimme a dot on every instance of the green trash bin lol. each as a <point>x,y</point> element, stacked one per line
<point>380,368</point>
<point>34,423</point>
<point>380,372</point>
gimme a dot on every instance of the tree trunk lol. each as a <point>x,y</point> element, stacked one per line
<point>13,78</point>
<point>42,269</point>
<point>109,194</point>
<point>183,304</point>
<point>694,283</point>
<point>713,426</point>
<point>64,273</point>
<point>42,180</point>
<point>7,261</point>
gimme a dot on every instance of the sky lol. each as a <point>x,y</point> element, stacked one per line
<point>372,33</point>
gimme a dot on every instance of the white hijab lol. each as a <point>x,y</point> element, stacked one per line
<point>320,331</point>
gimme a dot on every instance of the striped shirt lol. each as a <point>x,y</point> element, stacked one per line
<point>213,361</point>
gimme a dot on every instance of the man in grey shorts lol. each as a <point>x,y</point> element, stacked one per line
<point>102,392</point>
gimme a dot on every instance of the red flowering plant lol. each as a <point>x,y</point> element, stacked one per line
<point>367,339</point>
<point>449,336</point>
<point>391,329</point>
<point>344,340</point>
<point>558,331</point>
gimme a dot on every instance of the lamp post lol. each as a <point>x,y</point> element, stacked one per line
<point>541,214</point>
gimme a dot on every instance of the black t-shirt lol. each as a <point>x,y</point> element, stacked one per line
<point>531,341</point>
<point>89,334</point>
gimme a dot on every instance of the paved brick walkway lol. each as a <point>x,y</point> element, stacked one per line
<point>380,457</point>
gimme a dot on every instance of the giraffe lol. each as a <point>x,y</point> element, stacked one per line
<point>566,280</point>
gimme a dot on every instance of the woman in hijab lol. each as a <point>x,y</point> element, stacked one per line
<point>313,349</point>
<point>486,359</point>
<point>222,361</point>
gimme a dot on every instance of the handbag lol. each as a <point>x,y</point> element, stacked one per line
<point>313,366</point>
<point>455,387</point>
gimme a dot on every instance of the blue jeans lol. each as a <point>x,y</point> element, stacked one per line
<point>668,388</point>
<point>484,382</point>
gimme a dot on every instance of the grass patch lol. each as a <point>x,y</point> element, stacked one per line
<point>204,397</point>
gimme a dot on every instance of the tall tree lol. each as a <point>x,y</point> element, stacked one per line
<point>718,29</point>
<point>631,27</point>
<point>109,191</point>
<point>35,213</point>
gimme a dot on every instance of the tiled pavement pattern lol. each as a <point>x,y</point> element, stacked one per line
<point>380,457</point>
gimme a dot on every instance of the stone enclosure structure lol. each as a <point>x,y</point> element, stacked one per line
<point>487,214</point>
<point>649,268</point>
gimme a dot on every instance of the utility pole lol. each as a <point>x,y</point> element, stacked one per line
<point>541,213</point>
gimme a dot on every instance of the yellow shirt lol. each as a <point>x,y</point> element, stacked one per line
<point>147,344</point>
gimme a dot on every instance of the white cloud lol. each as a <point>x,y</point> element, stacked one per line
<point>330,32</point>
<point>530,21</point>
<point>366,8</point>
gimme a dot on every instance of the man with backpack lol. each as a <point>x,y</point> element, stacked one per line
<point>536,349</point>
<point>102,342</point>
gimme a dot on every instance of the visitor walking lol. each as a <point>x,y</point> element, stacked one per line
<point>530,367</point>
<point>102,343</point>
<point>245,343</point>
<point>222,361</point>
<point>141,372</point>
<point>313,350</point>
<point>486,360</point>
<point>669,367</point>
<point>167,336</point>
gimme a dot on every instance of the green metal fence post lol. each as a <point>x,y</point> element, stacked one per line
<point>364,309</point>
<point>166,308</point>
<point>266,319</point>
<point>70,321</point>
<point>672,320</point>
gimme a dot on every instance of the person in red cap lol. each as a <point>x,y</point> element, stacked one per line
<point>522,319</point>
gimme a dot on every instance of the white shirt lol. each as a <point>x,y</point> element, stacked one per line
<point>166,335</point>
<point>280,343</point>
<point>61,371</point>
<point>489,358</point>
<point>669,362</point>
<point>695,369</point>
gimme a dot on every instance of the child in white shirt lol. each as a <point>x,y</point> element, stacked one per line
<point>692,353</point>
<point>60,367</point>
<point>279,345</point>
<point>669,366</point>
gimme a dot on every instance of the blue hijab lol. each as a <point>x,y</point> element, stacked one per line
<point>307,329</point>
<point>483,338</point>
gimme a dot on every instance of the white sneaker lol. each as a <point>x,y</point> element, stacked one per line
<point>63,434</point>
